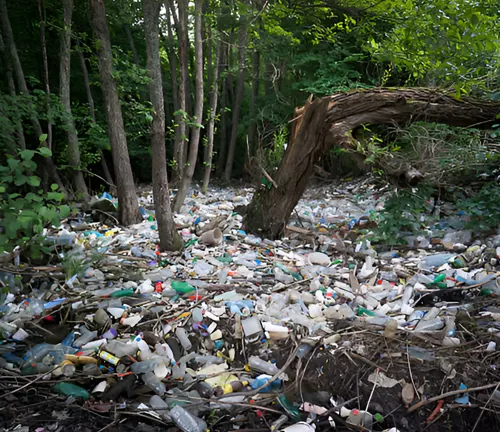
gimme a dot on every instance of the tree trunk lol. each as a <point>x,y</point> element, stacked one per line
<point>240,87</point>
<point>127,198</point>
<point>198,110</point>
<point>212,113</point>
<point>74,160</point>
<point>10,46</point>
<point>253,101</point>
<point>12,92</point>
<point>130,39</point>
<point>180,144</point>
<point>90,100</point>
<point>169,237</point>
<point>223,116</point>
<point>329,122</point>
<point>178,140</point>
<point>43,20</point>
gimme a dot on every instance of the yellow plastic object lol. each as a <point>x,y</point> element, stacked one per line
<point>80,360</point>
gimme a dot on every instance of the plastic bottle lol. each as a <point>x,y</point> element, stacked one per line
<point>429,325</point>
<point>263,379</point>
<point>159,405</point>
<point>153,382</point>
<point>91,369</point>
<point>144,366</point>
<point>391,329</point>
<point>120,349</point>
<point>186,421</point>
<point>182,287</point>
<point>143,348</point>
<point>259,365</point>
<point>85,336</point>
<point>68,389</point>
<point>164,350</point>
<point>122,293</point>
<point>63,240</point>
<point>197,315</point>
<point>181,334</point>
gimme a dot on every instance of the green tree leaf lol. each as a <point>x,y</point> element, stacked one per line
<point>34,181</point>
<point>44,151</point>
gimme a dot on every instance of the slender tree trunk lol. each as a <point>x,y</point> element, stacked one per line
<point>43,20</point>
<point>223,116</point>
<point>198,110</point>
<point>12,92</point>
<point>329,122</point>
<point>74,160</point>
<point>127,198</point>
<point>240,87</point>
<point>130,39</point>
<point>212,112</point>
<point>172,60</point>
<point>90,100</point>
<point>253,101</point>
<point>169,237</point>
<point>10,46</point>
<point>180,145</point>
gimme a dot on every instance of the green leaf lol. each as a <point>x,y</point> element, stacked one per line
<point>33,197</point>
<point>43,138</point>
<point>13,163</point>
<point>34,181</point>
<point>55,196</point>
<point>27,154</point>
<point>44,151</point>
<point>20,180</point>
<point>2,189</point>
<point>54,186</point>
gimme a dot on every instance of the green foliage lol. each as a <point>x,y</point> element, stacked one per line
<point>25,210</point>
<point>403,215</point>
<point>274,154</point>
<point>483,208</point>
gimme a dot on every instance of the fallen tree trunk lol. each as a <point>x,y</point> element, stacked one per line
<point>329,121</point>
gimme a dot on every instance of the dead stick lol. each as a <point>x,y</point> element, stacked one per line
<point>451,393</point>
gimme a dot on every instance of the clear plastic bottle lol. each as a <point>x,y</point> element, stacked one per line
<point>120,349</point>
<point>186,421</point>
<point>259,365</point>
<point>143,348</point>
<point>160,406</point>
<point>85,336</point>
<point>144,366</point>
<point>181,334</point>
<point>164,350</point>
<point>152,381</point>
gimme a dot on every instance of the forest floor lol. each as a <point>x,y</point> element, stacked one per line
<point>320,327</point>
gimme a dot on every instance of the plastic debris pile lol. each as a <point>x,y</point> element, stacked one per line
<point>288,335</point>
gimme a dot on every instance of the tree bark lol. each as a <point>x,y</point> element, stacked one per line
<point>12,92</point>
<point>74,160</point>
<point>169,237</point>
<point>172,60</point>
<point>180,144</point>
<point>130,39</point>
<point>240,87</point>
<point>43,21</point>
<point>329,122</point>
<point>253,101</point>
<point>213,113</point>
<point>223,115</point>
<point>10,46</point>
<point>90,100</point>
<point>198,110</point>
<point>127,198</point>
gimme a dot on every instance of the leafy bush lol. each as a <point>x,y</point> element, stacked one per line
<point>403,214</point>
<point>483,208</point>
<point>25,209</point>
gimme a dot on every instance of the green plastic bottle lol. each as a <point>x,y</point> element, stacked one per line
<point>122,293</point>
<point>292,411</point>
<point>68,389</point>
<point>363,311</point>
<point>182,287</point>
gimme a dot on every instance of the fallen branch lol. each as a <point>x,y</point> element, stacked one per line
<point>451,393</point>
